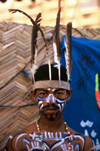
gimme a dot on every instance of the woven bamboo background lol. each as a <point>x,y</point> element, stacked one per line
<point>15,51</point>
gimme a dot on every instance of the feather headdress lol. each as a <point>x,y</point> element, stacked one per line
<point>57,77</point>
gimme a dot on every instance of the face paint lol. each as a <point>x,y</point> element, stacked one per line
<point>45,103</point>
<point>53,90</point>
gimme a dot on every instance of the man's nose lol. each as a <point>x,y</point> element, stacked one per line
<point>51,98</point>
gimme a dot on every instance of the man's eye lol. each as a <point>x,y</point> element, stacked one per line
<point>42,94</point>
<point>59,93</point>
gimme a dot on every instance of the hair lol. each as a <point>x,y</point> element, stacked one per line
<point>42,73</point>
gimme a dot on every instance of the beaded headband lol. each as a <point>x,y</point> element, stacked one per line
<point>58,81</point>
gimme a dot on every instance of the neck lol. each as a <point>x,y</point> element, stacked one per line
<point>55,124</point>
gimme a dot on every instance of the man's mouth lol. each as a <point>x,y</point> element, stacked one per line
<point>51,110</point>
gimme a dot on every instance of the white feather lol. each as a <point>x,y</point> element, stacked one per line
<point>35,53</point>
<point>33,71</point>
<point>55,53</point>
<point>67,60</point>
<point>49,69</point>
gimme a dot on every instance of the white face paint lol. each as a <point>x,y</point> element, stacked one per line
<point>53,90</point>
<point>50,101</point>
<point>11,137</point>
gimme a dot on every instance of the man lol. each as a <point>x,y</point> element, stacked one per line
<point>50,132</point>
<point>51,90</point>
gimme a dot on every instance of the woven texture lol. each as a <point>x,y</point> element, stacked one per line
<point>15,54</point>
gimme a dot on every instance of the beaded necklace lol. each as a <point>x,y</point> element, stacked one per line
<point>69,138</point>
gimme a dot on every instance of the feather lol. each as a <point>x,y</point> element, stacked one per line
<point>37,27</point>
<point>34,43</point>
<point>66,58</point>
<point>34,38</point>
<point>57,40</point>
<point>56,43</point>
<point>69,48</point>
<point>55,52</point>
<point>33,22</point>
<point>20,11</point>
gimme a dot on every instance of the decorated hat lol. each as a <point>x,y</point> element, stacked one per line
<point>50,75</point>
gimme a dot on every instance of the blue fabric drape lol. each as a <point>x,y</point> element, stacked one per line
<point>82,112</point>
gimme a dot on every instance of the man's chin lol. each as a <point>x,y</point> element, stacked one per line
<point>52,116</point>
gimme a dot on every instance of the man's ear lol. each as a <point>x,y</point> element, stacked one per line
<point>33,93</point>
<point>69,93</point>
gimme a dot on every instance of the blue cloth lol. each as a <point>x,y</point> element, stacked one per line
<point>82,113</point>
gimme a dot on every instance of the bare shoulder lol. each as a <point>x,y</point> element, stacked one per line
<point>14,140</point>
<point>87,143</point>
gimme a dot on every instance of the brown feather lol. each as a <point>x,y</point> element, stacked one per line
<point>33,22</point>
<point>34,36</point>
<point>56,44</point>
<point>36,24</point>
<point>69,45</point>
<point>57,40</point>
<point>20,11</point>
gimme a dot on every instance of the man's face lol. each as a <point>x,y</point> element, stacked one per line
<point>51,102</point>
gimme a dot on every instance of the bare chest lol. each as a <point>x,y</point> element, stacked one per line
<point>49,141</point>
